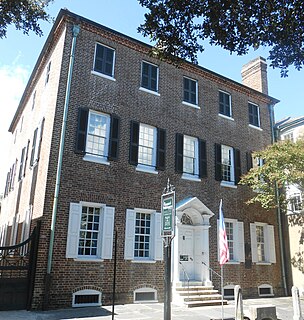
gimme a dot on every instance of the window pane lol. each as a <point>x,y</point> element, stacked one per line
<point>190,161</point>
<point>230,239</point>
<point>190,91</point>
<point>149,76</point>
<point>260,243</point>
<point>88,233</point>
<point>227,164</point>
<point>104,60</point>
<point>142,235</point>
<point>146,148</point>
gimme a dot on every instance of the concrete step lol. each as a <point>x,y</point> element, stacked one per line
<point>203,297</point>
<point>192,304</point>
<point>197,292</point>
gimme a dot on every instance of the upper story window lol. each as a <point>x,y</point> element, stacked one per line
<point>143,240</point>
<point>48,71</point>
<point>262,243</point>
<point>235,238</point>
<point>147,147</point>
<point>295,202</point>
<point>190,91</point>
<point>22,164</point>
<point>34,100</point>
<point>90,231</point>
<point>227,164</point>
<point>254,114</point>
<point>225,104</point>
<point>97,135</point>
<point>36,144</point>
<point>149,76</point>
<point>190,157</point>
<point>104,60</point>
<point>288,136</point>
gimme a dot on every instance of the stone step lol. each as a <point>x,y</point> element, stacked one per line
<point>192,288</point>
<point>203,297</point>
<point>192,304</point>
<point>197,292</point>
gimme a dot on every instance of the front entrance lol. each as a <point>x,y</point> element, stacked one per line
<point>191,243</point>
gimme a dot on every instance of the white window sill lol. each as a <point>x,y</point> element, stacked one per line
<point>228,184</point>
<point>149,91</point>
<point>233,262</point>
<point>190,177</point>
<point>143,261</point>
<point>87,259</point>
<point>96,159</point>
<point>146,301</point>
<point>142,168</point>
<point>226,117</point>
<point>102,75</point>
<point>255,127</point>
<point>263,263</point>
<point>191,105</point>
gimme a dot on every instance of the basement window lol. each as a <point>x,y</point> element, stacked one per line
<point>265,290</point>
<point>229,292</point>
<point>144,295</point>
<point>86,298</point>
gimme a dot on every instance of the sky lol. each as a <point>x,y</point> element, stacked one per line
<point>19,52</point>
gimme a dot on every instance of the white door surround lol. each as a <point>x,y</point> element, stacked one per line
<point>191,242</point>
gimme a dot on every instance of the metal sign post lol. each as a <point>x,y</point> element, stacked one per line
<point>167,232</point>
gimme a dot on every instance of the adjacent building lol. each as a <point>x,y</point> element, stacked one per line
<point>100,128</point>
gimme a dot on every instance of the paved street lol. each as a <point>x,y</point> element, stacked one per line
<point>153,312</point>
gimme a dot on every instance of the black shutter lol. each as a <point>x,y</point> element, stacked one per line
<point>179,146</point>
<point>134,140</point>
<point>33,147</point>
<point>249,160</point>
<point>81,130</point>
<point>218,162</point>
<point>237,165</point>
<point>114,138</point>
<point>202,158</point>
<point>161,149</point>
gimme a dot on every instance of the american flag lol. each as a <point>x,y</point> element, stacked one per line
<point>223,243</point>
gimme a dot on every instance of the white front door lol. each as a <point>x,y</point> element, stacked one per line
<point>186,253</point>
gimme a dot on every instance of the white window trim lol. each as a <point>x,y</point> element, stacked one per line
<point>266,286</point>
<point>230,183</point>
<point>149,168</point>
<point>190,177</point>
<point>93,157</point>
<point>105,233</point>
<point>113,66</point>
<point>230,105</point>
<point>143,290</point>
<point>259,117</point>
<point>195,175</point>
<point>195,105</point>
<point>156,246</point>
<point>255,127</point>
<point>157,81</point>
<point>226,117</point>
<point>87,292</point>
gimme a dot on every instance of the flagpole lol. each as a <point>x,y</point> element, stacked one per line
<point>222,289</point>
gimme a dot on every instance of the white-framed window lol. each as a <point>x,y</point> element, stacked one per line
<point>98,131</point>
<point>104,60</point>
<point>235,238</point>
<point>288,136</point>
<point>143,295</point>
<point>36,143</point>
<point>143,242</point>
<point>190,156</point>
<point>254,114</point>
<point>265,290</point>
<point>227,164</point>
<point>149,76</point>
<point>147,146</point>
<point>47,73</point>
<point>22,164</point>
<point>90,231</point>
<point>34,100</point>
<point>225,104</point>
<point>86,298</point>
<point>190,91</point>
<point>229,291</point>
<point>262,243</point>
<point>295,202</point>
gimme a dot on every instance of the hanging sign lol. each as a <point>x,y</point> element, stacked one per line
<point>168,214</point>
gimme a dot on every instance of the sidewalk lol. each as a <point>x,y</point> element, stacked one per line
<point>152,312</point>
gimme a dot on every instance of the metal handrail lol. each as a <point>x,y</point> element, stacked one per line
<point>185,274</point>
<point>210,269</point>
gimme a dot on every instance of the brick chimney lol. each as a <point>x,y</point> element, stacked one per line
<point>254,75</point>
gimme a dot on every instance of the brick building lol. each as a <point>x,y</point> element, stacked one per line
<point>100,128</point>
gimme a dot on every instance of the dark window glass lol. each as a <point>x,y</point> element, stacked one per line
<point>190,91</point>
<point>149,76</point>
<point>253,114</point>
<point>104,60</point>
<point>224,103</point>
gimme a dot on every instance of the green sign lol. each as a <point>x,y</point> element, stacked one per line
<point>168,213</point>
